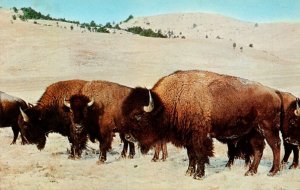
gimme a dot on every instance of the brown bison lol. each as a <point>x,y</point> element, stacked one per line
<point>189,108</point>
<point>9,113</point>
<point>49,114</point>
<point>83,115</point>
<point>290,127</point>
<point>109,96</point>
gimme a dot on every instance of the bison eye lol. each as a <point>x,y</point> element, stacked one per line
<point>292,122</point>
<point>138,117</point>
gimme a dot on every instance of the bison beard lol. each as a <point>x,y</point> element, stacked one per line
<point>192,107</point>
<point>82,113</point>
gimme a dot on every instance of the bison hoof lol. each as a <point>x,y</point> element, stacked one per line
<point>154,160</point>
<point>228,165</point>
<point>293,166</point>
<point>272,174</point>
<point>100,162</point>
<point>190,172</point>
<point>199,176</point>
<point>71,157</point>
<point>130,156</point>
<point>250,173</point>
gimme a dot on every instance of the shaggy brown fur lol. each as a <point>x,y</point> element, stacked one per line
<point>192,107</point>
<point>84,120</point>
<point>9,113</point>
<point>49,114</point>
<point>109,96</point>
<point>290,128</point>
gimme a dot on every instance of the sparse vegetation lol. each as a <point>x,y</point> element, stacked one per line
<point>194,25</point>
<point>14,17</point>
<point>129,18</point>
<point>256,24</point>
<point>71,27</point>
<point>15,9</point>
<point>251,45</point>
<point>146,32</point>
<point>234,45</point>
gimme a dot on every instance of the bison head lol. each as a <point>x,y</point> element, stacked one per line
<point>143,113</point>
<point>31,126</point>
<point>78,106</point>
<point>291,127</point>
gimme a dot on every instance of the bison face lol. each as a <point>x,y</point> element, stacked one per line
<point>78,108</point>
<point>291,129</point>
<point>31,127</point>
<point>142,113</point>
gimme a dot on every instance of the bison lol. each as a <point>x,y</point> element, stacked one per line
<point>189,108</point>
<point>49,114</point>
<point>109,96</point>
<point>9,113</point>
<point>83,115</point>
<point>290,127</point>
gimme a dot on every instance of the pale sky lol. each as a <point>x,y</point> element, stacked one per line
<point>102,11</point>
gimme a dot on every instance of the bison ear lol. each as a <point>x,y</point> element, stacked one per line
<point>24,115</point>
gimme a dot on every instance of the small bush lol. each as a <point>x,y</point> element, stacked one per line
<point>15,9</point>
<point>14,17</point>
<point>129,18</point>
<point>71,27</point>
<point>251,45</point>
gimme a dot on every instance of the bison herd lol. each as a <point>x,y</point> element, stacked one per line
<point>187,108</point>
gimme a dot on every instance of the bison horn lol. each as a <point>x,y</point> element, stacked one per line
<point>91,102</point>
<point>25,117</point>
<point>297,111</point>
<point>150,107</point>
<point>67,103</point>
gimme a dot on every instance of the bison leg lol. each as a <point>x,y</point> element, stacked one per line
<point>16,131</point>
<point>203,149</point>
<point>258,145</point>
<point>72,152</point>
<point>157,149</point>
<point>131,150</point>
<point>296,157</point>
<point>192,161</point>
<point>272,137</point>
<point>287,152</point>
<point>164,151</point>
<point>125,147</point>
<point>231,153</point>
<point>105,145</point>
